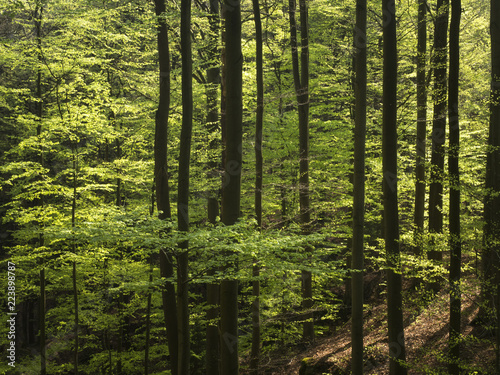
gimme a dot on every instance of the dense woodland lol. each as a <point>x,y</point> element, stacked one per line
<point>216,187</point>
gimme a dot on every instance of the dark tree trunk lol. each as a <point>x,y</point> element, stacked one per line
<point>161,181</point>
<point>301,83</point>
<point>454,173</point>
<point>438,125</point>
<point>37,16</point>
<point>43,347</point>
<point>213,78</point>
<point>421,126</point>
<point>358,211</point>
<point>491,264</point>
<point>255,353</point>
<point>233,62</point>
<point>75,289</point>
<point>148,325</point>
<point>75,304</point>
<point>390,191</point>
<point>183,188</point>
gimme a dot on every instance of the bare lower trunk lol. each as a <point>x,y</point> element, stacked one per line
<point>390,189</point>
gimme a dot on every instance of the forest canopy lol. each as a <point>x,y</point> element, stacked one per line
<point>215,187</point>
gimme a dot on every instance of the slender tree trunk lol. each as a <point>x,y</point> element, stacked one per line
<point>213,78</point>
<point>148,325</point>
<point>359,188</point>
<point>390,190</point>
<point>75,289</point>
<point>183,188</point>
<point>161,127</point>
<point>162,187</point>
<point>421,126</point>
<point>439,125</point>
<point>305,217</point>
<point>491,263</point>
<point>43,353</point>
<point>301,83</point>
<point>233,61</point>
<point>37,16</point>
<point>255,353</point>
<point>454,173</point>
<point>75,302</point>
<point>119,194</point>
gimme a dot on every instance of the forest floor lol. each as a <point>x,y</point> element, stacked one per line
<point>426,336</point>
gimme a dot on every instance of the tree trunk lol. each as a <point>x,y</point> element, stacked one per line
<point>421,126</point>
<point>491,263</point>
<point>161,181</point>
<point>255,353</point>
<point>148,325</point>
<point>213,78</point>
<point>438,125</point>
<point>358,188</point>
<point>390,191</point>
<point>75,303</point>
<point>233,62</point>
<point>75,289</point>
<point>301,83</point>
<point>183,188</point>
<point>43,356</point>
<point>454,173</point>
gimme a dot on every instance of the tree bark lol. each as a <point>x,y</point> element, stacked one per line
<point>75,289</point>
<point>491,264</point>
<point>421,126</point>
<point>233,62</point>
<point>390,190</point>
<point>183,188</point>
<point>148,325</point>
<point>301,83</point>
<point>213,78</point>
<point>358,188</point>
<point>43,347</point>
<point>255,351</point>
<point>161,181</point>
<point>454,175</point>
<point>438,125</point>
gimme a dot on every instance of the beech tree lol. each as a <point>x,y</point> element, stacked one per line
<point>438,124</point>
<point>255,354</point>
<point>213,125</point>
<point>183,190</point>
<point>301,84</point>
<point>231,191</point>
<point>491,262</point>
<point>161,181</point>
<point>454,176</point>
<point>358,211</point>
<point>397,352</point>
<point>420,182</point>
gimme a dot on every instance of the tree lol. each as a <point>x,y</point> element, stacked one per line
<point>390,191</point>
<point>161,180</point>
<point>301,83</point>
<point>183,188</point>
<point>421,124</point>
<point>231,192</point>
<point>454,175</point>
<point>213,80</point>
<point>255,355</point>
<point>358,210</point>
<point>438,125</point>
<point>491,262</point>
